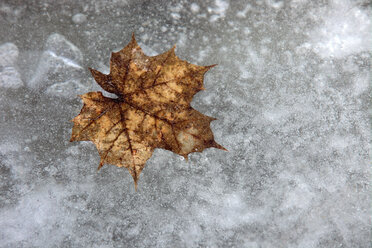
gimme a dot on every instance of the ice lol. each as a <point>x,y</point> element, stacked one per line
<point>59,70</point>
<point>8,54</point>
<point>219,10</point>
<point>12,13</point>
<point>79,18</point>
<point>59,46</point>
<point>10,78</point>
<point>243,13</point>
<point>67,89</point>
<point>194,7</point>
<point>275,3</point>
<point>9,75</point>
<point>291,94</point>
<point>176,15</point>
<point>346,30</point>
<point>35,212</point>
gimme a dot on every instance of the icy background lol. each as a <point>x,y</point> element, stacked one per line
<point>291,94</point>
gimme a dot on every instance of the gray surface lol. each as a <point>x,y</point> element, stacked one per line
<point>291,94</point>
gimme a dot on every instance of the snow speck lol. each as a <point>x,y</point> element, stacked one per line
<point>275,4</point>
<point>194,8</point>
<point>163,29</point>
<point>219,10</point>
<point>175,15</point>
<point>79,18</point>
<point>243,13</point>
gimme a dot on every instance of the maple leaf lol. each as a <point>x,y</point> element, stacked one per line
<point>152,109</point>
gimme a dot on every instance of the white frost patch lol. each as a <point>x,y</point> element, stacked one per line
<point>79,18</point>
<point>60,62</point>
<point>163,29</point>
<point>194,8</point>
<point>219,11</point>
<point>62,47</point>
<point>274,4</point>
<point>276,115</point>
<point>9,75</point>
<point>65,60</point>
<point>253,65</point>
<point>175,15</point>
<point>182,39</point>
<point>297,3</point>
<point>35,218</point>
<point>191,235</point>
<point>361,83</point>
<point>340,142</point>
<point>8,54</point>
<point>67,89</point>
<point>10,78</point>
<point>300,197</point>
<point>243,13</point>
<point>228,211</point>
<point>146,49</point>
<point>346,31</point>
<point>9,147</point>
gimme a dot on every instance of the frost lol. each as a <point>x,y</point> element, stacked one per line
<point>9,75</point>
<point>346,30</point>
<point>8,54</point>
<point>79,18</point>
<point>219,10</point>
<point>67,89</point>
<point>243,13</point>
<point>59,71</point>
<point>194,7</point>
<point>10,78</point>
<point>275,4</point>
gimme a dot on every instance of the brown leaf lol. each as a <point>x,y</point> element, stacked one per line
<point>152,109</point>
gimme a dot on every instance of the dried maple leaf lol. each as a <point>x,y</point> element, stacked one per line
<point>152,109</point>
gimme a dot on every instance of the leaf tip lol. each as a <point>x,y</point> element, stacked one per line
<point>172,51</point>
<point>211,66</point>
<point>133,40</point>
<point>100,165</point>
<point>212,119</point>
<point>218,146</point>
<point>206,68</point>
<point>135,179</point>
<point>94,72</point>
<point>135,173</point>
<point>135,186</point>
<point>186,157</point>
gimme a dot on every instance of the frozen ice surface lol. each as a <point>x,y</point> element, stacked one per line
<point>67,89</point>
<point>8,54</point>
<point>10,78</point>
<point>9,75</point>
<point>290,92</point>
<point>59,62</point>
<point>342,34</point>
